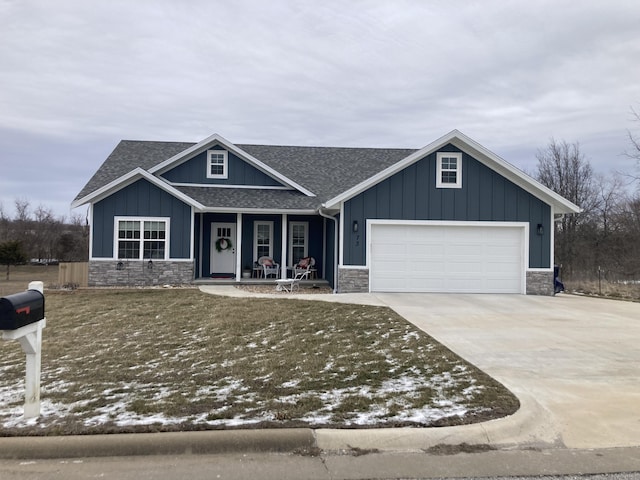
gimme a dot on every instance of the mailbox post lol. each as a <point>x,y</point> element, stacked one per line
<point>22,318</point>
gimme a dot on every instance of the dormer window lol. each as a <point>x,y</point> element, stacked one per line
<point>449,170</point>
<point>217,164</point>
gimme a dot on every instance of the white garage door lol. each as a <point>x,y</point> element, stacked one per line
<point>456,259</point>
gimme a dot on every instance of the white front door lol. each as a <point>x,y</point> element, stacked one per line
<point>223,248</point>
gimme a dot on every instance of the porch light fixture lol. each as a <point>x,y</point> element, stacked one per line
<point>120,266</point>
<point>355,226</point>
<point>540,229</point>
<point>149,265</point>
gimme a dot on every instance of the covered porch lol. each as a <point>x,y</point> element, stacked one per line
<point>229,245</point>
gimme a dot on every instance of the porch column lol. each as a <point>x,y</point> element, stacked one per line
<point>238,246</point>
<point>283,257</point>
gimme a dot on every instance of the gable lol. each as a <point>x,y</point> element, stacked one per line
<point>216,141</point>
<point>412,194</point>
<point>468,146</point>
<point>239,172</point>
<point>141,199</point>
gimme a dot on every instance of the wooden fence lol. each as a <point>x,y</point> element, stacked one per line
<point>76,274</point>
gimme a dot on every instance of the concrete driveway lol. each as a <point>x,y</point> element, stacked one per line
<point>574,363</point>
<point>577,357</point>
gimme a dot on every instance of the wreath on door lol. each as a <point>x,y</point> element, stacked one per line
<point>223,244</point>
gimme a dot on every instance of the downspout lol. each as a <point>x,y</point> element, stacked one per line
<point>335,248</point>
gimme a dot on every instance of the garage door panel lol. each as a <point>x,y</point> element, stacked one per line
<point>430,258</point>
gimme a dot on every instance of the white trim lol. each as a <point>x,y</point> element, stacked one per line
<point>217,139</point>
<point>192,235</point>
<point>130,178</point>
<point>225,164</point>
<point>439,157</point>
<point>552,234</point>
<point>125,218</point>
<point>477,151</point>
<point>239,247</point>
<point>354,267</point>
<point>90,213</point>
<point>324,245</point>
<point>341,236</point>
<point>539,269</point>
<point>255,237</point>
<point>132,260</point>
<point>452,223</point>
<point>283,246</point>
<point>224,185</point>
<point>290,241</point>
<point>200,249</point>
<point>273,211</point>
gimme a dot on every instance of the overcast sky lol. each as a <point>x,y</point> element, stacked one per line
<point>77,76</point>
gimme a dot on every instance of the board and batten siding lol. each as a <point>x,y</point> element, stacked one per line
<point>240,172</point>
<point>141,199</point>
<point>411,194</point>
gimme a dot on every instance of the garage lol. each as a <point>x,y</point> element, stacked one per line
<point>453,258</point>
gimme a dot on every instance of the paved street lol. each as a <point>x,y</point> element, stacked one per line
<point>518,463</point>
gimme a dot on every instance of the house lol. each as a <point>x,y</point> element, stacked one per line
<point>450,217</point>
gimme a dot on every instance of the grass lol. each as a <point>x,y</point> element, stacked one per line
<point>179,359</point>
<point>21,275</point>
<point>629,291</point>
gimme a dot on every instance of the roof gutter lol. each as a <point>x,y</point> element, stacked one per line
<point>335,248</point>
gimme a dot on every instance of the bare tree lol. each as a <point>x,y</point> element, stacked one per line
<point>564,169</point>
<point>22,206</point>
<point>635,142</point>
<point>5,222</point>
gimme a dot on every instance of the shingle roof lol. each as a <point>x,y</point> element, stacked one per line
<point>128,155</point>
<point>326,171</point>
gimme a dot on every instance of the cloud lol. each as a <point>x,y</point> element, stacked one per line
<point>78,76</point>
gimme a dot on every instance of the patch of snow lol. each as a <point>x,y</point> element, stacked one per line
<point>290,384</point>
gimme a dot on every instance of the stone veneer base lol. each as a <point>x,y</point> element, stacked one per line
<point>353,280</point>
<point>137,273</point>
<point>540,283</point>
<point>356,280</point>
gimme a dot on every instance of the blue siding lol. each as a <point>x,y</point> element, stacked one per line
<point>141,199</point>
<point>412,195</point>
<point>240,173</point>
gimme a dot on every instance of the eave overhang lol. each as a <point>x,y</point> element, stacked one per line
<point>130,178</point>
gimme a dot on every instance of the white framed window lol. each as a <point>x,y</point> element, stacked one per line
<point>262,239</point>
<point>141,238</point>
<point>217,164</point>
<point>298,241</point>
<point>449,170</point>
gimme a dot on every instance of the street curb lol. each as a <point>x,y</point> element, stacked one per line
<point>530,427</point>
<point>174,443</point>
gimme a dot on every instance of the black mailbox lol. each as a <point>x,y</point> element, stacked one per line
<point>21,309</point>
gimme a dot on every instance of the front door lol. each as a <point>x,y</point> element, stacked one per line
<point>223,248</point>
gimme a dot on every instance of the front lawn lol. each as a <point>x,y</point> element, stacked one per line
<point>179,359</point>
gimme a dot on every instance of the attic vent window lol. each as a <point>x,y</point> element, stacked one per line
<point>217,164</point>
<point>449,170</point>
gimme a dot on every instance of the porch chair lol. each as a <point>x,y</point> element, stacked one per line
<point>289,284</point>
<point>269,266</point>
<point>305,264</point>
